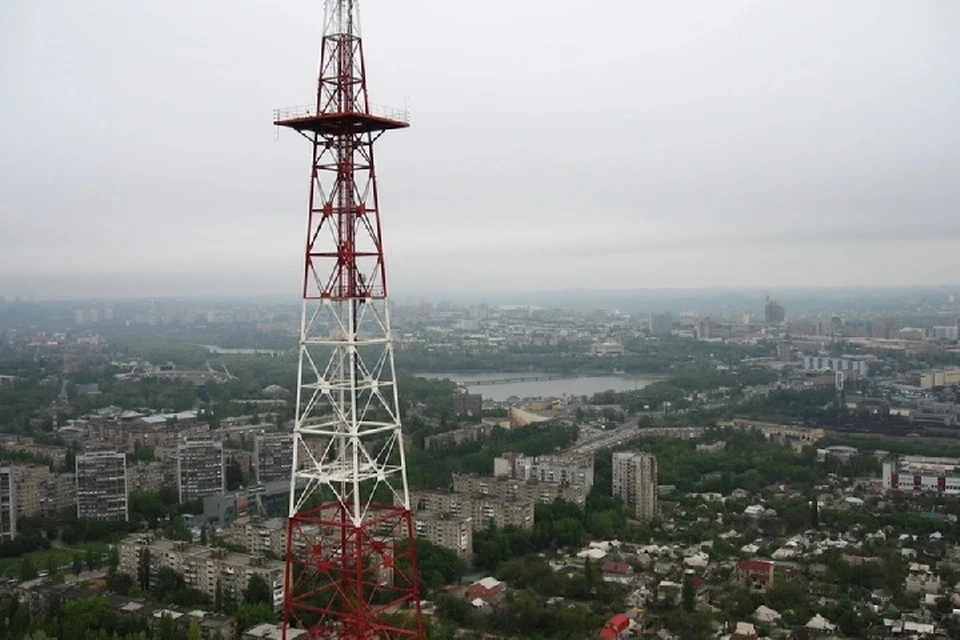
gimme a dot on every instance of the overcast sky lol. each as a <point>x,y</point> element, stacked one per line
<point>555,143</point>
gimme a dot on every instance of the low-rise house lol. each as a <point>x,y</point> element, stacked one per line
<point>921,580</point>
<point>820,624</point>
<point>744,631</point>
<point>487,590</point>
<point>267,631</point>
<point>615,628</point>
<point>617,571</point>
<point>766,615</point>
<point>757,575</point>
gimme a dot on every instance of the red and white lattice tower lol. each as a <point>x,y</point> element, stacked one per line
<point>350,559</point>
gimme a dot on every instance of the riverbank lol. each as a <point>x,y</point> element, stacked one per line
<point>500,386</point>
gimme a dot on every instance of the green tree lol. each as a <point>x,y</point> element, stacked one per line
<point>165,629</point>
<point>452,608</point>
<point>143,570</point>
<point>689,594</point>
<point>93,559</point>
<point>257,591</point>
<point>27,570</point>
<point>218,597</point>
<point>249,615</point>
<point>53,570</point>
<point>194,632</point>
<point>79,617</point>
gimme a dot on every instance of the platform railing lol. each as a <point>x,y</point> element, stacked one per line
<point>310,110</point>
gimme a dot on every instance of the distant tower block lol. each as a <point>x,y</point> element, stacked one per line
<point>350,559</point>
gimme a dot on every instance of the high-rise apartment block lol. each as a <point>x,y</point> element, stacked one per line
<point>151,476</point>
<point>575,471</point>
<point>273,455</point>
<point>201,470</point>
<point>660,323</point>
<point>467,404</point>
<point>8,504</point>
<point>37,492</point>
<point>774,313</point>
<point>102,486</point>
<point>635,480</point>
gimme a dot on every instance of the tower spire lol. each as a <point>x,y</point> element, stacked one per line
<point>350,558</point>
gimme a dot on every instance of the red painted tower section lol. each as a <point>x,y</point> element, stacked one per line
<point>350,556</point>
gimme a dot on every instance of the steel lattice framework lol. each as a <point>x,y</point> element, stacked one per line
<point>350,558</point>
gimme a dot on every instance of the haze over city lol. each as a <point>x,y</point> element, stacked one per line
<point>553,145</point>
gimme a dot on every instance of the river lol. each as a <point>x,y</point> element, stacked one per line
<point>576,386</point>
<point>212,348</point>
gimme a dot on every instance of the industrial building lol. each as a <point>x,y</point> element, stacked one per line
<point>920,473</point>
<point>635,480</point>
<point>572,470</point>
<point>200,469</point>
<point>102,486</point>
<point>273,455</point>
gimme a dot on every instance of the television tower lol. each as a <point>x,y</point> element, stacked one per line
<point>350,557</point>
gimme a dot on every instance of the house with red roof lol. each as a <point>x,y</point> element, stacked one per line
<point>615,628</point>
<point>757,575</point>
<point>616,571</point>
<point>486,590</point>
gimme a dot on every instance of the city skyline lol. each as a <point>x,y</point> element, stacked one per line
<point>745,144</point>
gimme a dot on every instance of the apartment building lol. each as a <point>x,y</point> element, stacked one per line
<point>259,536</point>
<point>102,486</point>
<point>856,365</point>
<point>571,470</point>
<point>526,490</point>
<point>130,430</point>
<point>635,479</point>
<point>504,511</point>
<point>202,568</point>
<point>273,456</point>
<point>38,492</point>
<point>8,504</point>
<point>151,476</point>
<point>940,378</point>
<point>201,469</point>
<point>446,530</point>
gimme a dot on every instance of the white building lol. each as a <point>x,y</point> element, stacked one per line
<point>635,479</point>
<point>920,473</point>
<point>948,333</point>
<point>860,366</point>
<point>576,471</point>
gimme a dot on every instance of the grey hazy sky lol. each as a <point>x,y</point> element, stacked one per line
<point>555,143</point>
